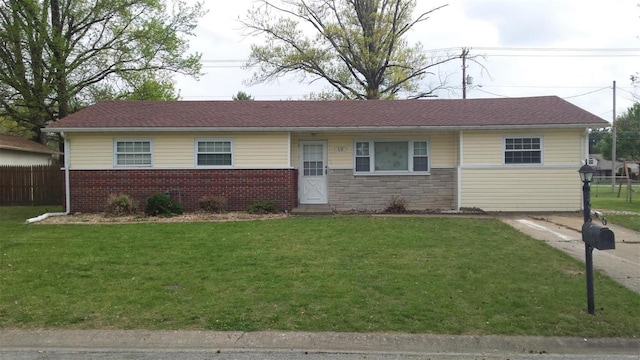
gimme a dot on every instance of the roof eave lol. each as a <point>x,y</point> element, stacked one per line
<point>43,151</point>
<point>319,128</point>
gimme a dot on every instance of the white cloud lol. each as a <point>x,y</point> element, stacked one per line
<point>478,24</point>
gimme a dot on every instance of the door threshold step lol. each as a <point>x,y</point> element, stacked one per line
<point>312,210</point>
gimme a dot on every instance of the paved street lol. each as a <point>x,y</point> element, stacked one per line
<point>192,345</point>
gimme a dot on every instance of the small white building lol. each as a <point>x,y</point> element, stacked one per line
<point>18,151</point>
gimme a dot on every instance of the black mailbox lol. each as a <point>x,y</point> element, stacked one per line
<point>599,237</point>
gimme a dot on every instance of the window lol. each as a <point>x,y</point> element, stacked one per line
<point>214,152</point>
<point>313,159</point>
<point>525,150</point>
<point>393,156</point>
<point>132,152</point>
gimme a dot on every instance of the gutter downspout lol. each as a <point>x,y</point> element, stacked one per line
<point>460,165</point>
<point>67,195</point>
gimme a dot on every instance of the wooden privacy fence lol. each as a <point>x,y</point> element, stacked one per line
<point>31,185</point>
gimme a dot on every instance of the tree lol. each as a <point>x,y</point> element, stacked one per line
<point>358,46</point>
<point>627,136</point>
<point>11,127</point>
<point>241,96</point>
<point>55,55</point>
<point>138,86</point>
<point>595,135</point>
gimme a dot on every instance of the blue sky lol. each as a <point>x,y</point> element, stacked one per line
<point>570,48</point>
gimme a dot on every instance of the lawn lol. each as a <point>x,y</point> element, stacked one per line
<point>603,199</point>
<point>343,273</point>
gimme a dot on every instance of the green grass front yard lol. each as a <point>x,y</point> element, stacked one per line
<point>603,199</point>
<point>344,273</point>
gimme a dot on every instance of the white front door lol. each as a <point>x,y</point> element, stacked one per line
<point>313,172</point>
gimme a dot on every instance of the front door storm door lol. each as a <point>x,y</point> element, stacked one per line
<point>313,172</point>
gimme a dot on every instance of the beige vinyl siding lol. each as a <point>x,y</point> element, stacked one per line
<point>551,186</point>
<point>270,150</point>
<point>560,147</point>
<point>177,150</point>
<point>443,146</point>
<point>90,151</point>
<point>509,189</point>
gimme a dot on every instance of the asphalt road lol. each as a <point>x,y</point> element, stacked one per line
<point>71,354</point>
<point>195,345</point>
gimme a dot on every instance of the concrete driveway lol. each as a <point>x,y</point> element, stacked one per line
<point>563,231</point>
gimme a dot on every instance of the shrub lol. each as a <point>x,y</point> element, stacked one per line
<point>163,205</point>
<point>263,207</point>
<point>120,204</point>
<point>397,205</point>
<point>213,203</point>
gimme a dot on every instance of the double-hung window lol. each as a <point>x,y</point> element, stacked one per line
<point>132,152</point>
<point>391,156</point>
<point>522,150</point>
<point>214,152</point>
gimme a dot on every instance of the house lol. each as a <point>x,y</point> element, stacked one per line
<point>603,167</point>
<point>18,151</point>
<point>512,154</point>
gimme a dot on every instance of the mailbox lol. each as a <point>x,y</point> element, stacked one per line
<point>598,237</point>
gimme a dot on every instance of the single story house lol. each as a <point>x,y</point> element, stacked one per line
<point>511,154</point>
<point>18,151</point>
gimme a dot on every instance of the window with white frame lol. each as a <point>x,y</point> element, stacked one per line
<point>214,152</point>
<point>522,150</point>
<point>133,152</point>
<point>391,156</point>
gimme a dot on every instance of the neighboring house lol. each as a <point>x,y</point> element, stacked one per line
<point>603,167</point>
<point>512,154</point>
<point>18,151</point>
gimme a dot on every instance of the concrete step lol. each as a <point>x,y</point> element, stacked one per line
<point>321,209</point>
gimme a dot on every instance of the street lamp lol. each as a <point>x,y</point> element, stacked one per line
<point>586,175</point>
<point>593,235</point>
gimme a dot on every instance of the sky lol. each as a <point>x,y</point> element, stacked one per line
<point>574,49</point>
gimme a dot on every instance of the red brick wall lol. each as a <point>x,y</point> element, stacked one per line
<point>90,188</point>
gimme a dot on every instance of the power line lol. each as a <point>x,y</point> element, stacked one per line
<point>563,49</point>
<point>587,93</point>
<point>627,52</point>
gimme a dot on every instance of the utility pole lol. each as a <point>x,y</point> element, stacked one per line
<point>465,52</point>
<point>613,142</point>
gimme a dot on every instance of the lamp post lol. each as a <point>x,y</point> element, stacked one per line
<point>586,174</point>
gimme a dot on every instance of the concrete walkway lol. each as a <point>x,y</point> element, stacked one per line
<point>563,231</point>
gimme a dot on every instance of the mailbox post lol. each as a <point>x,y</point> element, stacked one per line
<point>594,236</point>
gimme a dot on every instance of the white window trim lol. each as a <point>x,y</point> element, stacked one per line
<point>195,153</point>
<point>504,149</point>
<point>115,152</point>
<point>372,159</point>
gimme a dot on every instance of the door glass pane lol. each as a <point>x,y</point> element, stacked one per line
<point>313,160</point>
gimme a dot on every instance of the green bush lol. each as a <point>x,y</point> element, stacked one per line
<point>120,204</point>
<point>163,205</point>
<point>213,203</point>
<point>263,207</point>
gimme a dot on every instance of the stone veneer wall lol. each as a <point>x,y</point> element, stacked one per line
<point>373,192</point>
<point>90,188</point>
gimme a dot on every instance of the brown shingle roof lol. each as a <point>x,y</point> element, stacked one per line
<point>11,142</point>
<point>532,111</point>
